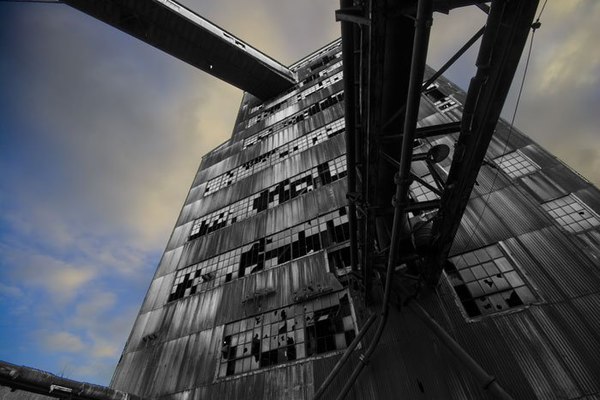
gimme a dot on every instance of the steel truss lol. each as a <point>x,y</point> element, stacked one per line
<point>384,52</point>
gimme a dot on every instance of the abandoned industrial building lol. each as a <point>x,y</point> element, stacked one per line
<point>369,231</point>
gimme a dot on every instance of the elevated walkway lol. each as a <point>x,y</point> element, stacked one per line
<point>178,31</point>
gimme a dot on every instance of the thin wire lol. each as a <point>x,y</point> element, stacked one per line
<point>510,131</point>
<point>541,11</point>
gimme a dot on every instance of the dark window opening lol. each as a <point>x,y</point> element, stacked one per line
<point>287,334</point>
<point>435,95</point>
<point>339,261</point>
<point>269,252</point>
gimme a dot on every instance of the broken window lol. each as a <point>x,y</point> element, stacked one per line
<point>275,156</point>
<point>285,190</point>
<point>294,119</point>
<point>486,281</point>
<point>281,109</point>
<point>322,325</point>
<point>339,261</point>
<point>434,94</point>
<point>323,61</point>
<point>572,214</point>
<point>516,164</point>
<point>328,230</point>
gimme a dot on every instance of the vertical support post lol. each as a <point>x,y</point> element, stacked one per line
<point>419,55</point>
<point>349,117</point>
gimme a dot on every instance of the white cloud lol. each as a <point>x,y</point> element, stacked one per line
<point>570,62</point>
<point>10,291</point>
<point>35,270</point>
<point>105,349</point>
<point>95,305</point>
<point>61,342</point>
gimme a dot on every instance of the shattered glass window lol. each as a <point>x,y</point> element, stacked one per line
<point>301,330</point>
<point>486,281</point>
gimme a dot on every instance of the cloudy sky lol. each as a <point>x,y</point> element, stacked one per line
<point>100,136</point>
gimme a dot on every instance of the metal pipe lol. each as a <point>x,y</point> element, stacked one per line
<point>487,381</point>
<point>41,382</point>
<point>455,57</point>
<point>421,40</point>
<point>349,117</point>
<point>338,366</point>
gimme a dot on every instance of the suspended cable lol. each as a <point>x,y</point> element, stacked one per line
<point>534,27</point>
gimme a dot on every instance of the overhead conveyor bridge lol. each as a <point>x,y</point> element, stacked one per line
<point>178,31</point>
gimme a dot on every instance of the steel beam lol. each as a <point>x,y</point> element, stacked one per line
<point>501,47</point>
<point>348,46</point>
<point>419,55</point>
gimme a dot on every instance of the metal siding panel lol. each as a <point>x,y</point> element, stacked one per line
<point>541,187</point>
<point>137,331</point>
<point>498,147</point>
<point>516,139</point>
<point>566,339</point>
<point>590,241</point>
<point>488,180</point>
<point>591,197</point>
<point>540,156</point>
<point>554,252</point>
<point>525,345</point>
<point>498,216</point>
<point>566,178</point>
<point>179,236</point>
<point>169,261</point>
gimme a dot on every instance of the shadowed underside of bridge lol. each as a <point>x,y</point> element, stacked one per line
<point>180,32</point>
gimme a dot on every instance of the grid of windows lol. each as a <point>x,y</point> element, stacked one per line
<point>572,214</point>
<point>420,192</point>
<point>274,156</point>
<point>294,119</point>
<point>286,334</point>
<point>269,252</point>
<point>314,56</point>
<point>281,109</point>
<point>486,282</point>
<point>322,84</point>
<point>321,73</point>
<point>307,181</point>
<point>516,164</point>
<point>290,92</point>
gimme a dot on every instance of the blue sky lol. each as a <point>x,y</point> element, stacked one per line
<point>100,137</point>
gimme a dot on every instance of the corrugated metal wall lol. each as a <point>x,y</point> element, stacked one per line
<point>549,349</point>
